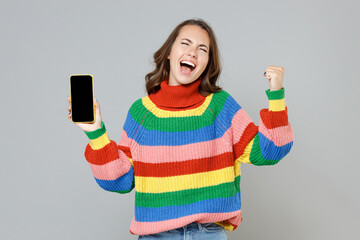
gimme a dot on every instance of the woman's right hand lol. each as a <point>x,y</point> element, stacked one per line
<point>88,127</point>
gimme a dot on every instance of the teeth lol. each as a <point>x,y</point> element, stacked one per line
<point>188,63</point>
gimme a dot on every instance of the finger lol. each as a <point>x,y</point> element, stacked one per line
<point>271,72</point>
<point>96,103</point>
<point>69,99</point>
<point>69,108</point>
<point>276,68</point>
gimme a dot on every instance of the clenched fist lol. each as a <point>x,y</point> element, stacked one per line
<point>275,75</point>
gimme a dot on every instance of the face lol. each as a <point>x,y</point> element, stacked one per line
<point>189,55</point>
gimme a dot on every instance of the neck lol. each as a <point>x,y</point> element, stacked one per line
<point>179,96</point>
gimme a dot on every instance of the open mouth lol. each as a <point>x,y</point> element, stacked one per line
<point>187,67</point>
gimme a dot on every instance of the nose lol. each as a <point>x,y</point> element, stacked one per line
<point>192,53</point>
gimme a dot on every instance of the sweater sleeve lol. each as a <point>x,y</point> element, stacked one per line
<point>267,143</point>
<point>111,163</point>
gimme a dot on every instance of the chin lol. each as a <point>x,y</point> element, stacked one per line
<point>186,80</point>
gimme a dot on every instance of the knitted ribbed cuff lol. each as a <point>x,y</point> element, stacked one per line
<point>275,95</point>
<point>276,100</point>
<point>96,133</point>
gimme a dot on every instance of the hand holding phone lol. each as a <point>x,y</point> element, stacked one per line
<point>88,127</point>
<point>84,110</point>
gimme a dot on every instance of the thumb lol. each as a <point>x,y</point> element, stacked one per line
<point>97,111</point>
<point>97,107</point>
<point>96,103</point>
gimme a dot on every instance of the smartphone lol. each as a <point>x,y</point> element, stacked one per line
<point>82,98</point>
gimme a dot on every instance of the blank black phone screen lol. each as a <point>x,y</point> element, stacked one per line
<point>81,87</point>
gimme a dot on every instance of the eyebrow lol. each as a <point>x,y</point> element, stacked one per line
<point>201,45</point>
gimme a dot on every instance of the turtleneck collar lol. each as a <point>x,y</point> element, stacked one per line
<point>180,96</point>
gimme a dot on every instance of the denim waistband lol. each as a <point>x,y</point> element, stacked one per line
<point>194,225</point>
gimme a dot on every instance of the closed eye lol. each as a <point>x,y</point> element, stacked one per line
<point>187,44</point>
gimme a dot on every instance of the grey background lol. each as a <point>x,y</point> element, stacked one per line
<point>47,188</point>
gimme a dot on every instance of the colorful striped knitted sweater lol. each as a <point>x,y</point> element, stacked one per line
<point>182,154</point>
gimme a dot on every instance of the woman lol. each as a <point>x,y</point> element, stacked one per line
<point>182,145</point>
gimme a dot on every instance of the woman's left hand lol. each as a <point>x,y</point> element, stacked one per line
<point>275,75</point>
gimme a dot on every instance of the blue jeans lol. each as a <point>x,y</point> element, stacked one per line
<point>196,231</point>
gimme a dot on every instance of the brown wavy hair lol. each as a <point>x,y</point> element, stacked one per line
<point>162,66</point>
